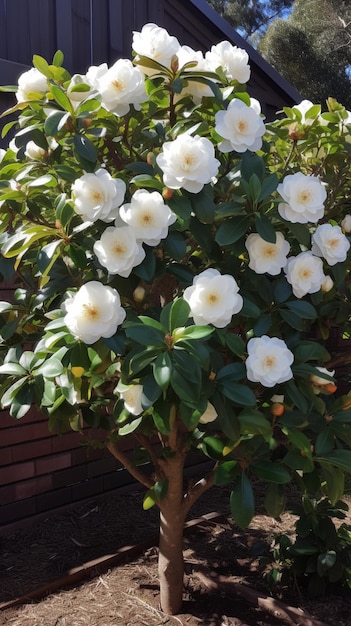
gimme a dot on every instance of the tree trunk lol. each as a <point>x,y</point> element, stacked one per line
<point>172,518</point>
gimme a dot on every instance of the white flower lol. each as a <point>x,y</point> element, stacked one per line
<point>94,311</point>
<point>346,224</point>
<point>132,396</point>
<point>30,83</point>
<point>304,198</point>
<point>94,73</point>
<point>97,196</point>
<point>265,256</point>
<point>240,126</point>
<point>303,107</point>
<point>76,97</point>
<point>327,284</point>
<point>213,298</point>
<point>121,86</point>
<point>234,61</point>
<point>2,154</point>
<point>209,415</point>
<point>188,162</point>
<point>197,90</point>
<point>319,381</point>
<point>148,215</point>
<point>268,361</point>
<point>330,243</point>
<point>119,251</point>
<point>305,274</point>
<point>155,43</point>
<point>34,152</point>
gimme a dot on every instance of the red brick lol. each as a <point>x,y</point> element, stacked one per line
<point>52,463</point>
<point>29,488</point>
<point>70,476</point>
<point>5,456</point>
<point>14,473</point>
<point>67,441</point>
<point>54,499</point>
<point>33,415</point>
<point>19,434</point>
<point>7,494</point>
<point>31,450</point>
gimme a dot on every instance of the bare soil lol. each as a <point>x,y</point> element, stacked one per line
<point>127,594</point>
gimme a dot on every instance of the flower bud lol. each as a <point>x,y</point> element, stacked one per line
<point>296,131</point>
<point>346,224</point>
<point>139,294</point>
<point>167,193</point>
<point>277,409</point>
<point>327,285</point>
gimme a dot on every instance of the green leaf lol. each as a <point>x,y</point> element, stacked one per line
<point>271,472</point>
<point>293,320</point>
<point>296,397</point>
<point>232,230</point>
<point>235,344</point>
<point>137,360</point>
<point>325,562</point>
<point>58,58</point>
<point>162,368</point>
<point>226,472</point>
<point>334,482</point>
<point>254,423</point>
<point>85,148</point>
<point>146,270</point>
<point>187,389</point>
<point>12,369</point>
<point>149,500</point>
<point>11,392</point>
<point>274,500</point>
<point>175,245</point>
<point>303,309</point>
<point>50,368</point>
<point>180,205</point>
<point>147,181</point>
<point>55,122</point>
<point>179,314</point>
<point>265,228</point>
<point>61,98</point>
<point>203,205</point>
<point>311,350</point>
<point>193,333</point>
<point>130,427</point>
<point>269,185</point>
<point>22,401</point>
<point>240,394</point>
<point>338,458</point>
<point>47,256</point>
<point>42,65</point>
<point>232,371</point>
<point>145,335</point>
<point>160,489</point>
<point>324,442</point>
<point>242,502</point>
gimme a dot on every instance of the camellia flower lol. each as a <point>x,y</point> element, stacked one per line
<point>269,360</point>
<point>77,96</point>
<point>322,384</point>
<point>148,216</point>
<point>192,87</point>
<point>121,86</point>
<point>30,84</point>
<point>265,256</point>
<point>97,196</point>
<point>34,152</point>
<point>155,43</point>
<point>188,162</point>
<point>327,284</point>
<point>240,126</point>
<point>305,273</point>
<point>330,243</point>
<point>233,61</point>
<point>209,415</point>
<point>303,107</point>
<point>346,224</point>
<point>119,251</point>
<point>304,198</point>
<point>132,396</point>
<point>213,298</point>
<point>94,311</point>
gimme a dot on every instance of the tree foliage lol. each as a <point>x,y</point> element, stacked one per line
<point>312,49</point>
<point>191,332</point>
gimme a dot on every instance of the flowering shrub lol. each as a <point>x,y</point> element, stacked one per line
<point>179,265</point>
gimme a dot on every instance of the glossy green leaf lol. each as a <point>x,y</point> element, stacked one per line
<point>240,394</point>
<point>232,230</point>
<point>274,500</point>
<point>85,148</point>
<point>242,502</point>
<point>254,423</point>
<point>61,98</point>
<point>338,458</point>
<point>162,368</point>
<point>179,314</point>
<point>12,369</point>
<point>226,472</point>
<point>271,472</point>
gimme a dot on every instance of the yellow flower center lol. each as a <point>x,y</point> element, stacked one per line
<point>333,243</point>
<point>97,195</point>
<point>212,298</point>
<point>242,126</point>
<point>269,362</point>
<point>305,272</point>
<point>269,250</point>
<point>304,196</point>
<point>90,311</point>
<point>189,161</point>
<point>118,85</point>
<point>119,249</point>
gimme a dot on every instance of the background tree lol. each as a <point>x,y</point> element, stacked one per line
<point>251,18</point>
<point>312,49</point>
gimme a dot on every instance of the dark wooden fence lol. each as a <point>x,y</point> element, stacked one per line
<point>40,471</point>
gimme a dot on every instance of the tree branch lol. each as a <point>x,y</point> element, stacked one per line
<point>125,461</point>
<point>200,487</point>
